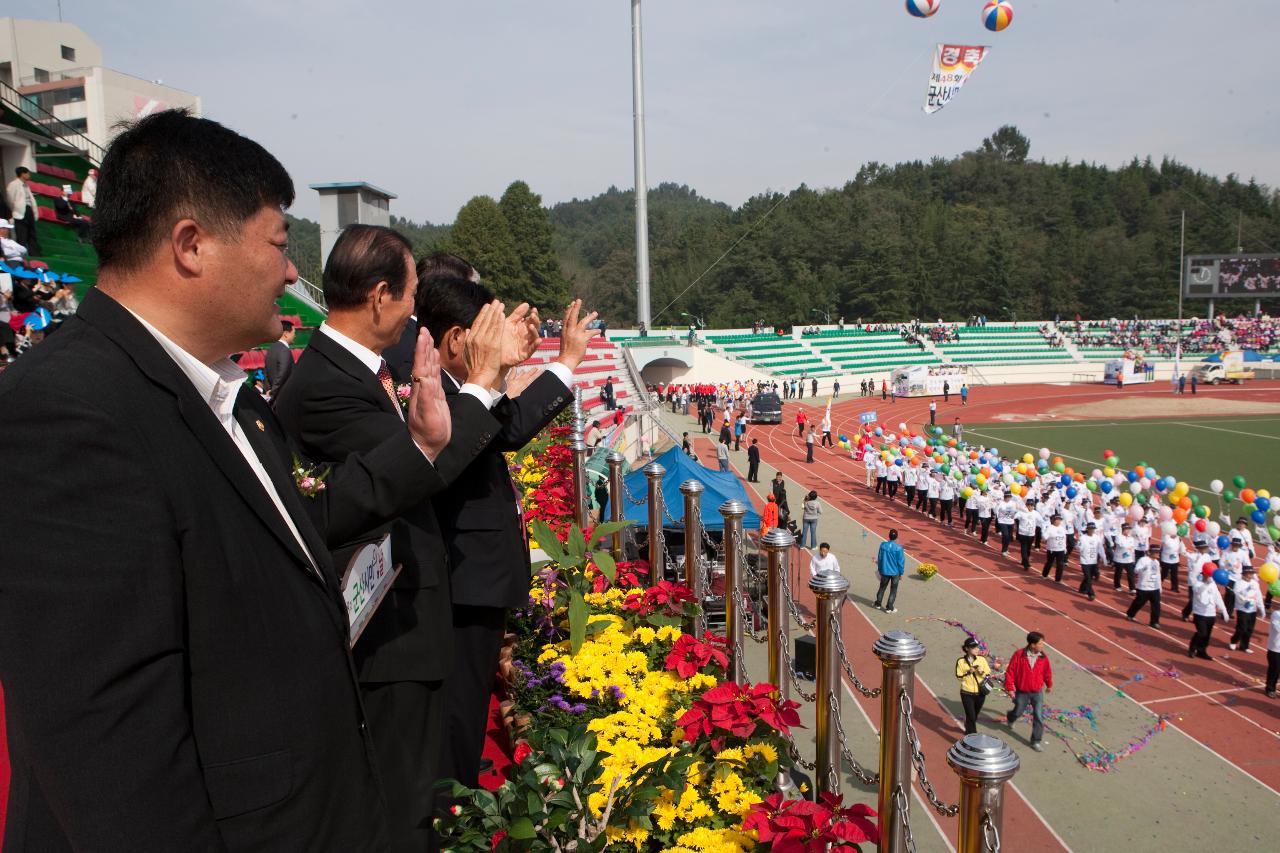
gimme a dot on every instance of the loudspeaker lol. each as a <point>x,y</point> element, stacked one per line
<point>805,658</point>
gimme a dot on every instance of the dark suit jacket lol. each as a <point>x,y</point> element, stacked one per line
<point>753,454</point>
<point>334,406</point>
<point>278,366</point>
<point>176,672</point>
<point>399,356</point>
<point>488,556</point>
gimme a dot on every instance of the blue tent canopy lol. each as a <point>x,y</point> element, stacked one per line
<point>719,487</point>
<point>1251,356</point>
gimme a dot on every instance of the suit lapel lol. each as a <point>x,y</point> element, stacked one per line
<point>352,366</point>
<point>115,321</point>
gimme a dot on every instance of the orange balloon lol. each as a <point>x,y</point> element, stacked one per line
<point>1247,496</point>
<point>1185,504</point>
<point>1079,478</point>
<point>1179,515</point>
<point>1140,470</point>
<point>1057,460</point>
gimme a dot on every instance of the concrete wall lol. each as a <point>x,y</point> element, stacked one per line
<point>706,367</point>
<point>28,45</point>
<point>113,97</point>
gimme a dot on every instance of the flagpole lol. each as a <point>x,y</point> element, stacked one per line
<point>1182,272</point>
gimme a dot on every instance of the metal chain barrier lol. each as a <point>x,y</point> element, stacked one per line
<point>870,693</point>
<point>990,835</point>
<point>758,636</point>
<point>900,804</point>
<point>796,757</point>
<point>865,776</point>
<point>795,610</point>
<point>631,499</point>
<point>917,759</point>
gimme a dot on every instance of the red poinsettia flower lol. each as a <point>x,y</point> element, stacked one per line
<point>689,656</point>
<point>496,839</point>
<point>737,709</point>
<point>521,752</point>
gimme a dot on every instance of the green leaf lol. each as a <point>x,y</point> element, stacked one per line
<point>576,543</point>
<point>604,562</point>
<point>578,614</point>
<point>538,565</point>
<point>547,540</point>
<point>521,829</point>
<point>595,627</point>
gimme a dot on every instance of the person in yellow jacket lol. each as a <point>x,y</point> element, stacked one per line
<point>972,670</point>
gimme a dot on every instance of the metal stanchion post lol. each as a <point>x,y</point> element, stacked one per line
<point>830,589</point>
<point>617,498</point>
<point>777,542</point>
<point>899,652</point>
<point>984,764</point>
<point>581,500</point>
<point>693,575</point>
<point>655,473</point>
<point>734,587</point>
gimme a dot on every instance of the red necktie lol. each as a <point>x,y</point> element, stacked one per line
<point>388,384</point>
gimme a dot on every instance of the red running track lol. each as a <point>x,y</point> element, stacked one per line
<point>1218,703</point>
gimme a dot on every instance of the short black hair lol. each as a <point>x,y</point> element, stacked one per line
<point>445,263</point>
<point>21,170</point>
<point>445,301</point>
<point>363,256</point>
<point>286,325</point>
<point>822,545</point>
<point>893,533</point>
<point>1034,637</point>
<point>170,166</point>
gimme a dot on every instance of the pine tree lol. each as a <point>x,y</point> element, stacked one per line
<point>541,282</point>
<point>480,235</point>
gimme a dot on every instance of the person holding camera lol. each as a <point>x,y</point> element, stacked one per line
<point>973,671</point>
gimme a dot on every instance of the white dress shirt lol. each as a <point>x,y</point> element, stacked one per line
<point>1055,538</point>
<point>1091,550</point>
<point>819,563</point>
<point>218,384</point>
<point>1206,600</point>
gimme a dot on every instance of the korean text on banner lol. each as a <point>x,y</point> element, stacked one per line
<point>952,65</point>
<point>366,581</point>
<point>867,417</point>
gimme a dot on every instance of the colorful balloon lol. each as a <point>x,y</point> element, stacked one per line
<point>1215,486</point>
<point>1268,573</point>
<point>1221,578</point>
<point>1239,481</point>
<point>1247,496</point>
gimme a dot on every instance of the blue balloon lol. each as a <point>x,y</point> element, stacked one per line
<point>999,467</point>
<point>1258,516</point>
<point>879,431</point>
<point>1220,577</point>
<point>1072,492</point>
<point>1224,542</point>
<point>1065,480</point>
<point>1170,482</point>
<point>1106,486</point>
<point>1263,504</point>
<point>1132,476</point>
<point>842,437</point>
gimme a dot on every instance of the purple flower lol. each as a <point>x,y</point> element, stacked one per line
<point>617,692</point>
<point>579,708</point>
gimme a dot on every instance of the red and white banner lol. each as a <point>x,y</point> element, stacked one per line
<point>952,65</point>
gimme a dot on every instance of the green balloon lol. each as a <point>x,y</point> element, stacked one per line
<point>1275,533</point>
<point>1228,495</point>
<point>1091,485</point>
<point>1274,589</point>
<point>1142,498</point>
<point>1239,481</point>
<point>1195,500</point>
<point>1113,461</point>
<point>1059,467</point>
<point>1202,511</point>
<point>946,467</point>
<point>1183,529</point>
<point>1142,464</point>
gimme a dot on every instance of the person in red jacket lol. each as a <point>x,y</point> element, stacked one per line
<point>800,420</point>
<point>1027,678</point>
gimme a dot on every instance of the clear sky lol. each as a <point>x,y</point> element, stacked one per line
<point>439,101</point>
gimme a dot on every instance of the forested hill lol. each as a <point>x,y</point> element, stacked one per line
<point>991,231</point>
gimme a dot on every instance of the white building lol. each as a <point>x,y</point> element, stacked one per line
<point>58,70</point>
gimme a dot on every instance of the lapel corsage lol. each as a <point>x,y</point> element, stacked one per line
<point>309,478</point>
<point>402,396</point>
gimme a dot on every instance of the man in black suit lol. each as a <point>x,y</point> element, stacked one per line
<point>607,393</point>
<point>278,365</point>
<point>480,513</point>
<point>399,356</point>
<point>175,646</point>
<point>341,400</point>
<point>753,462</point>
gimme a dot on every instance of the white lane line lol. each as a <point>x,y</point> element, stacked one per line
<point>1196,695</point>
<point>1223,429</point>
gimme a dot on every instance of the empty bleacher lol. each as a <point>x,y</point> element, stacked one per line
<point>1002,345</point>
<point>857,351</point>
<point>783,356</point>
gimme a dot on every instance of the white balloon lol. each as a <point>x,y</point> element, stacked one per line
<point>1169,528</point>
<point>1215,486</point>
<point>1135,487</point>
<point>1136,511</point>
<point>1213,528</point>
<point>1166,514</point>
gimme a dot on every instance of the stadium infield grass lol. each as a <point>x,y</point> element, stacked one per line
<point>1196,450</point>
